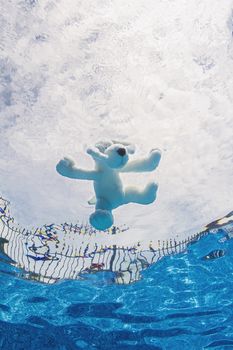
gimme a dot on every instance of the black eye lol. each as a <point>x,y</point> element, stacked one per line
<point>121,151</point>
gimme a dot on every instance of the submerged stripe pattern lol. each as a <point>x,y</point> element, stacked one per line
<point>56,252</point>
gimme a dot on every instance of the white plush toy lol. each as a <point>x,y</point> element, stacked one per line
<point>111,158</point>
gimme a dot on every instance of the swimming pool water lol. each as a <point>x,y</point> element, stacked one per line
<point>183,301</point>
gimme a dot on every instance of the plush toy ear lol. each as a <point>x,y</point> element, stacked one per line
<point>96,154</point>
<point>103,145</point>
<point>130,149</point>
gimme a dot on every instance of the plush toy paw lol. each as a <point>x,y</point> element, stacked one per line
<point>150,192</point>
<point>101,219</point>
<point>155,156</point>
<point>65,166</point>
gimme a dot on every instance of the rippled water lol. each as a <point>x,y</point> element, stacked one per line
<point>155,73</point>
<point>184,301</point>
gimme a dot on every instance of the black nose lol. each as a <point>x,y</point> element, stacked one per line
<point>121,151</point>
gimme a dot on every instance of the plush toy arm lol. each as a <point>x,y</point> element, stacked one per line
<point>145,164</point>
<point>66,168</point>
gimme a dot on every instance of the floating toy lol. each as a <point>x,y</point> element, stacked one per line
<point>111,159</point>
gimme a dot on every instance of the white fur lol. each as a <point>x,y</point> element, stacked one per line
<point>109,191</point>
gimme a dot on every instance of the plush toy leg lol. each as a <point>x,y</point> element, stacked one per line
<point>147,196</point>
<point>101,219</point>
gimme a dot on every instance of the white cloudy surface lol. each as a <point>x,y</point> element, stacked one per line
<point>157,73</point>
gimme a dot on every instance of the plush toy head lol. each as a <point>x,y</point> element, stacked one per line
<point>112,154</point>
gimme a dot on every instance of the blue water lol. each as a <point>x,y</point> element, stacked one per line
<point>184,301</point>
